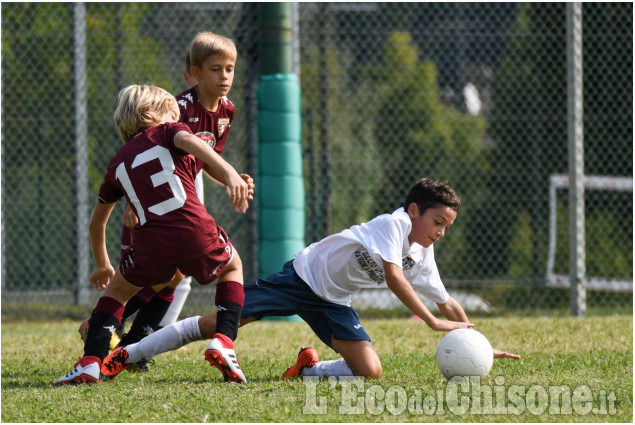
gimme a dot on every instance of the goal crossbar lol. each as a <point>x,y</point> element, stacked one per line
<point>561,181</point>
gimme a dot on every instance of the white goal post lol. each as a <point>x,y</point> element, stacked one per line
<point>561,181</point>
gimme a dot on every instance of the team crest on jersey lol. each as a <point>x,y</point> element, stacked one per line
<point>223,123</point>
<point>208,138</point>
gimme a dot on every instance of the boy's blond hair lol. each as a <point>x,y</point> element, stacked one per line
<point>207,44</point>
<point>140,106</point>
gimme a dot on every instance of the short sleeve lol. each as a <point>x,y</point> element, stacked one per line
<point>172,129</point>
<point>426,280</point>
<point>387,241</point>
<point>109,193</point>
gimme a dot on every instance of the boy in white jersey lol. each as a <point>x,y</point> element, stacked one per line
<point>395,250</point>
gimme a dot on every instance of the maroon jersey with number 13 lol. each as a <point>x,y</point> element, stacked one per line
<point>212,127</point>
<point>157,179</point>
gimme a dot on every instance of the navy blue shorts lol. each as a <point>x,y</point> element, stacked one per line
<point>286,294</point>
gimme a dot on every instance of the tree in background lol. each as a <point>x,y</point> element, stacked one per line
<point>385,126</point>
<point>340,154</point>
<point>37,121</point>
<point>417,135</point>
<point>528,126</point>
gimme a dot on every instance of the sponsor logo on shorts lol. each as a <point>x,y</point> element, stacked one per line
<point>215,271</point>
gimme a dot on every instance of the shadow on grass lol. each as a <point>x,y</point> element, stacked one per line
<point>216,380</point>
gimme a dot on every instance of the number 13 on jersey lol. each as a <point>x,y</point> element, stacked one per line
<point>165,176</point>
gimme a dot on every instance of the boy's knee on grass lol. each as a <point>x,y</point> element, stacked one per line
<point>371,370</point>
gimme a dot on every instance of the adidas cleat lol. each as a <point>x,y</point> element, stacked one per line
<point>225,360</point>
<point>307,357</point>
<point>86,370</point>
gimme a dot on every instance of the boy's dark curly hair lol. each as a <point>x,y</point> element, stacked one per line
<point>428,193</point>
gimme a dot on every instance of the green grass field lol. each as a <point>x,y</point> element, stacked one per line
<point>573,370</point>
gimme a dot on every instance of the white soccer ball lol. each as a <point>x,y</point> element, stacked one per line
<point>463,353</point>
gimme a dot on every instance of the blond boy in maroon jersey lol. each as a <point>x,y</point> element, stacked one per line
<point>208,112</point>
<point>155,170</point>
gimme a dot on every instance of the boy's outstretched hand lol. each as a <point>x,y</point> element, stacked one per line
<point>498,354</point>
<point>449,325</point>
<point>100,278</point>
<point>237,189</point>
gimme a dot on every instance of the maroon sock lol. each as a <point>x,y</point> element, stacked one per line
<point>166,294</point>
<point>145,294</point>
<point>230,291</point>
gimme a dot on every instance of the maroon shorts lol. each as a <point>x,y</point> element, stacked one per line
<point>126,239</point>
<point>140,269</point>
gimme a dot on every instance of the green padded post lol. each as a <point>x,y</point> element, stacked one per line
<point>280,184</point>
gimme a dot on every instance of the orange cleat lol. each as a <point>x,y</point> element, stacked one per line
<point>307,357</point>
<point>114,364</point>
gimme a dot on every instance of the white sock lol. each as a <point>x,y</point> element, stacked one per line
<point>328,368</point>
<point>169,338</point>
<point>180,295</point>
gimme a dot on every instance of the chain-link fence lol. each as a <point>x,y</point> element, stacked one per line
<point>471,93</point>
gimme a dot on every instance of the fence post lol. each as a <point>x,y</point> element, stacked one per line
<point>576,159</point>
<point>82,250</point>
<point>247,44</point>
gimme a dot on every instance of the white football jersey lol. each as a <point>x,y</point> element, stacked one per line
<point>343,263</point>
